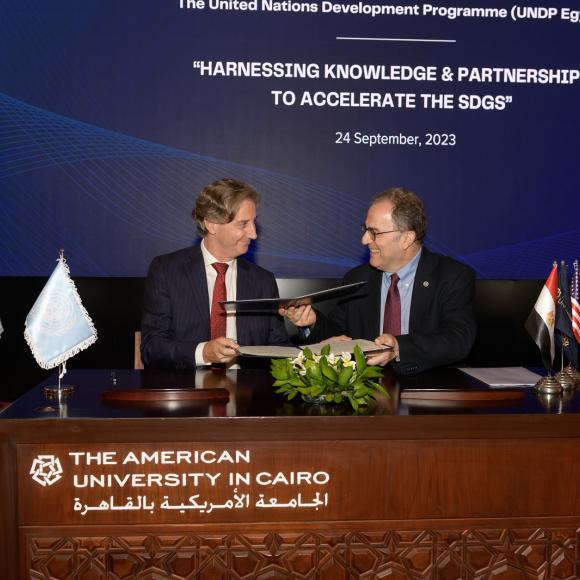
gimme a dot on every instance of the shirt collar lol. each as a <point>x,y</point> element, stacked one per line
<point>408,271</point>
<point>209,258</point>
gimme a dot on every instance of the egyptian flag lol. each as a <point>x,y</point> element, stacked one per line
<point>540,322</point>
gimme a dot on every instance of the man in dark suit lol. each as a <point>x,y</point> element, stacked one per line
<point>183,323</point>
<point>418,302</point>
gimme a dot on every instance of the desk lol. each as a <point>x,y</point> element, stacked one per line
<point>263,488</point>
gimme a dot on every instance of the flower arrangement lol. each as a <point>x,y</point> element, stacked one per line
<point>328,378</point>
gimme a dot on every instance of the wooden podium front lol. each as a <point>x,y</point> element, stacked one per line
<point>256,487</point>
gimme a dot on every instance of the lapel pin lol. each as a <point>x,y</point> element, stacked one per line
<point>425,283</point>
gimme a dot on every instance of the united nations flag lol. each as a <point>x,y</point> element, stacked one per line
<point>58,326</point>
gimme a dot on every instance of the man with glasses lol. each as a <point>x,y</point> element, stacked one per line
<point>418,302</point>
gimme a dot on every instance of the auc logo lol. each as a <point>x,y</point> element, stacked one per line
<point>46,470</point>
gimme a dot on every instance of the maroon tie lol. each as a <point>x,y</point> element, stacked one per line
<point>218,315</point>
<point>392,319</point>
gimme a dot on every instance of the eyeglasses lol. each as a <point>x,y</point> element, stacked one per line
<point>373,233</point>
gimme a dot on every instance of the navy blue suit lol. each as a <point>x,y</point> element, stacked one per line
<point>442,324</point>
<point>176,309</point>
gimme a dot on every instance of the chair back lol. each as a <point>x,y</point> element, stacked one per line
<point>137,362</point>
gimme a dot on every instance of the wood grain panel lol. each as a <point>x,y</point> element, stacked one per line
<point>425,554</point>
<point>367,480</point>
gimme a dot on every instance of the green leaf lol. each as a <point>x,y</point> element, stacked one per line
<point>327,370</point>
<point>338,398</point>
<point>313,371</point>
<point>378,389</point>
<point>381,389</point>
<point>359,357</point>
<point>280,374</point>
<point>296,381</point>
<point>307,353</point>
<point>353,403</point>
<point>280,382</point>
<point>345,375</point>
<point>325,350</point>
<point>373,372</point>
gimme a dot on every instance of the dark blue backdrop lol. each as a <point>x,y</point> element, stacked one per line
<point>107,133</point>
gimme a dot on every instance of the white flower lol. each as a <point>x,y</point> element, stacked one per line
<point>298,362</point>
<point>345,356</point>
<point>349,363</point>
<point>331,358</point>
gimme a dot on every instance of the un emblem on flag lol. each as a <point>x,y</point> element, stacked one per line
<point>46,470</point>
<point>58,316</point>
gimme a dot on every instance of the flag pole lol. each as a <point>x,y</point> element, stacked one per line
<point>59,393</point>
<point>563,377</point>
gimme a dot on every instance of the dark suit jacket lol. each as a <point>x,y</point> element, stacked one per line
<point>176,309</point>
<point>442,325</point>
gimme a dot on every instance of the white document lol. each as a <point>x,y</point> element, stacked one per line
<point>504,376</point>
<point>270,351</point>
<point>340,346</point>
<point>337,347</point>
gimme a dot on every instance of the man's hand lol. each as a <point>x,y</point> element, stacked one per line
<point>220,350</point>
<point>299,315</point>
<point>383,358</point>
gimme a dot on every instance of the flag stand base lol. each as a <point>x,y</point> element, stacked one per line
<point>549,385</point>
<point>574,375</point>
<point>58,393</point>
<point>565,381</point>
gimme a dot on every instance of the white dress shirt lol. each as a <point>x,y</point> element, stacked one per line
<point>231,285</point>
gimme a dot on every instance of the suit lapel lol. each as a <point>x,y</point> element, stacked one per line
<point>423,288</point>
<point>244,291</point>
<point>198,282</point>
<point>372,323</point>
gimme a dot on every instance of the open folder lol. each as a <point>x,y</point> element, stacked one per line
<point>261,304</point>
<point>338,347</point>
